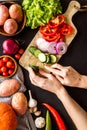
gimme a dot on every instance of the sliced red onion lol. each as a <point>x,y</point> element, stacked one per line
<point>52,48</point>
<point>61,48</point>
<point>42,44</point>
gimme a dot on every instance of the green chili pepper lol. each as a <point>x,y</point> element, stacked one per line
<point>48,121</point>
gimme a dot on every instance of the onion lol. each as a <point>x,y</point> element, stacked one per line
<point>42,44</point>
<point>10,46</point>
<point>52,48</point>
<point>61,48</point>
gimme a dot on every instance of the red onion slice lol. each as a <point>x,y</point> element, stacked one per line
<point>52,48</point>
<point>42,44</point>
<point>61,48</point>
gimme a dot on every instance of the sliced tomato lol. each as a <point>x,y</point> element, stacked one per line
<point>57,21</point>
<point>45,30</point>
<point>66,30</point>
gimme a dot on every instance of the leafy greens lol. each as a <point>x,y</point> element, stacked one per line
<point>39,12</point>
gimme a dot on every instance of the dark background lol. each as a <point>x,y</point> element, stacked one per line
<point>76,57</point>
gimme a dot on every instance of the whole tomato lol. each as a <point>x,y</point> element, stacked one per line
<point>9,64</point>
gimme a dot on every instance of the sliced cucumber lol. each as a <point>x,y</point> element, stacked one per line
<point>48,58</point>
<point>42,57</point>
<point>34,67</point>
<point>53,58</point>
<point>32,49</point>
<point>37,52</point>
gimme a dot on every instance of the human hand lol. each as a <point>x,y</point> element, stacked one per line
<point>66,75</point>
<point>47,81</point>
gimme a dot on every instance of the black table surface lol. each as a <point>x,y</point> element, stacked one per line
<point>76,57</point>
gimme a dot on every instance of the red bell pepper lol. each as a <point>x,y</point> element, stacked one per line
<point>56,116</point>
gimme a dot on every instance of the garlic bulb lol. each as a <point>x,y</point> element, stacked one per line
<point>32,102</point>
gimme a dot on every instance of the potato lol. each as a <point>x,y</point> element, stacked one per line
<point>10,26</point>
<point>4,14</point>
<point>16,12</point>
<point>9,87</point>
<point>19,103</point>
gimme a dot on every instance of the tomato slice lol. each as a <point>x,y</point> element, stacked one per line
<point>45,30</point>
<point>66,30</point>
<point>57,21</point>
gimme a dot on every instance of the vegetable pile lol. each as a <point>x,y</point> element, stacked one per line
<point>39,12</point>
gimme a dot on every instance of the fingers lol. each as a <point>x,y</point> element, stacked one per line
<point>57,66</point>
<point>47,75</point>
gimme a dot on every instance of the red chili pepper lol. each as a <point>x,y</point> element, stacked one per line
<point>57,21</point>
<point>45,30</point>
<point>57,117</point>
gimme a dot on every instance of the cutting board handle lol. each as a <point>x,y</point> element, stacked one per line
<point>73,7</point>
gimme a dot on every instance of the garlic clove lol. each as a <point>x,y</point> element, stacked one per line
<point>32,102</point>
<point>37,113</point>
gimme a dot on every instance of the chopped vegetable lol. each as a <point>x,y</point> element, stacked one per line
<point>57,117</point>
<point>39,12</point>
<point>48,121</point>
<point>61,48</point>
<point>42,57</point>
<point>34,67</point>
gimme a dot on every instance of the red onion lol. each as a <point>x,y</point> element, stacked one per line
<point>52,48</point>
<point>10,46</point>
<point>61,48</point>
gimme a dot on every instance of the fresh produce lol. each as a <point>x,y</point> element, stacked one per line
<point>10,46</point>
<point>32,102</point>
<point>40,122</point>
<point>10,26</point>
<point>56,30</point>
<point>56,116</point>
<point>8,66</point>
<point>48,121</point>
<point>9,87</point>
<point>8,118</point>
<point>39,12</point>
<point>34,67</point>
<point>61,48</point>
<point>19,103</point>
<point>16,12</point>
<point>4,14</point>
<point>43,57</point>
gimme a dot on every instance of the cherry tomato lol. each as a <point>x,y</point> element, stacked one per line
<point>3,69</point>
<point>21,51</point>
<point>5,59</point>
<point>9,64</point>
<point>5,73</point>
<point>1,63</point>
<point>10,71</point>
<point>17,56</point>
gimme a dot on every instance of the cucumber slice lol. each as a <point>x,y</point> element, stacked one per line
<point>48,58</point>
<point>37,52</point>
<point>42,57</point>
<point>34,67</point>
<point>32,49</point>
<point>53,58</point>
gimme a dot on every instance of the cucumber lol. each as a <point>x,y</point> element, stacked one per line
<point>37,52</point>
<point>53,58</point>
<point>34,67</point>
<point>42,57</point>
<point>48,58</point>
<point>32,49</point>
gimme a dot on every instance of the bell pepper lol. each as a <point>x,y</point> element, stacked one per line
<point>57,21</point>
<point>45,30</point>
<point>57,117</point>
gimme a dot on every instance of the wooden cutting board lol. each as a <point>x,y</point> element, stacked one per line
<point>27,58</point>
